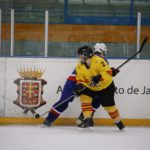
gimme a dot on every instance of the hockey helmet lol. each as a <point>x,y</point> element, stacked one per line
<point>100,48</point>
<point>86,52</point>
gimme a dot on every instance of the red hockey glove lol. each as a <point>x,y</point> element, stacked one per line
<point>114,71</point>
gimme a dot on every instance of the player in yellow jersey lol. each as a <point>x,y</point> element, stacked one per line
<point>100,50</point>
<point>94,73</point>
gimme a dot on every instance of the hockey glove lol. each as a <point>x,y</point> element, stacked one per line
<point>96,79</point>
<point>78,90</point>
<point>114,71</point>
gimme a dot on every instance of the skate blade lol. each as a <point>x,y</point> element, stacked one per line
<point>86,129</point>
<point>122,130</point>
<point>44,126</point>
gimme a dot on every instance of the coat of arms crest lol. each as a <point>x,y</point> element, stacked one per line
<point>30,89</point>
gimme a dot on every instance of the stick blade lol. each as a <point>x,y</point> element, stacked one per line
<point>37,116</point>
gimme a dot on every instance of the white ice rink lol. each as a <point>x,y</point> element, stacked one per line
<point>27,137</point>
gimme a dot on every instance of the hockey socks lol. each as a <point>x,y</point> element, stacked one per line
<point>114,114</point>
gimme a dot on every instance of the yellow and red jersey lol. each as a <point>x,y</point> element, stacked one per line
<point>98,65</point>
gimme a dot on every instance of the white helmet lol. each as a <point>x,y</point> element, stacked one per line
<point>101,48</point>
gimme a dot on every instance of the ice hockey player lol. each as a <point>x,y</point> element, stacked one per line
<point>100,50</point>
<point>67,92</point>
<point>94,73</point>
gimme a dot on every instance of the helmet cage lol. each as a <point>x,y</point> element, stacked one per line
<point>85,52</point>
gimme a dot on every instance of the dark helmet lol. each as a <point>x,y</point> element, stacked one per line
<point>85,51</point>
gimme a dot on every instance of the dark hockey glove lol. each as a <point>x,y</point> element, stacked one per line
<point>79,89</point>
<point>114,71</point>
<point>96,79</point>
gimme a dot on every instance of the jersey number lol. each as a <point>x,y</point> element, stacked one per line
<point>103,64</point>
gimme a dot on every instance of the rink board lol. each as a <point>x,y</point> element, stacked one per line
<point>132,91</point>
<point>72,121</point>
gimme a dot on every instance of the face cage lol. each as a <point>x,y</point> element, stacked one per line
<point>83,58</point>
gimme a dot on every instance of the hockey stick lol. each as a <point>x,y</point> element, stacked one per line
<point>65,100</point>
<point>37,116</point>
<point>141,48</point>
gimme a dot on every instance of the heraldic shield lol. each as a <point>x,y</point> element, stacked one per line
<point>30,89</point>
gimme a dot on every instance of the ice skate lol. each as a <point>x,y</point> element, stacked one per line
<point>46,123</point>
<point>86,124</point>
<point>120,125</point>
<point>81,118</point>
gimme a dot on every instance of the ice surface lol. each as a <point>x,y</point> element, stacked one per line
<point>25,137</point>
